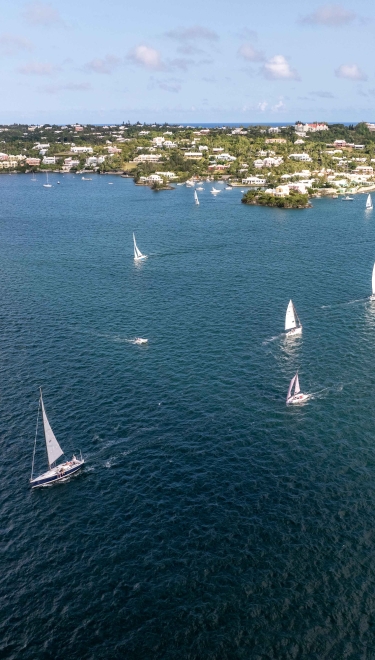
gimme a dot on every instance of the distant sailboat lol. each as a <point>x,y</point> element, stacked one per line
<point>215,191</point>
<point>297,397</point>
<point>47,185</point>
<point>196,197</point>
<point>140,341</point>
<point>373,284</point>
<point>369,205</point>
<point>293,325</point>
<point>137,253</point>
<point>54,452</point>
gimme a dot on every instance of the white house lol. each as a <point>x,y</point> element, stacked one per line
<point>167,175</point>
<point>301,157</point>
<point>49,160</point>
<point>158,141</point>
<point>254,181</point>
<point>81,150</point>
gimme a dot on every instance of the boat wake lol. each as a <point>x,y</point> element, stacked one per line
<point>346,302</point>
<point>268,341</point>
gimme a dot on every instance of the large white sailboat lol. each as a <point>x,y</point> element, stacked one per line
<point>293,325</point>
<point>137,253</point>
<point>47,185</point>
<point>369,205</point>
<point>196,197</point>
<point>297,396</point>
<point>372,297</point>
<point>54,452</point>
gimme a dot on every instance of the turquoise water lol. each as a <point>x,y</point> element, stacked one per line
<point>211,521</point>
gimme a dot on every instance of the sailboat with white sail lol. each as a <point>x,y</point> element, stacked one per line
<point>215,191</point>
<point>369,205</point>
<point>138,256</point>
<point>47,185</point>
<point>196,200</point>
<point>297,396</point>
<point>293,325</point>
<point>372,297</point>
<point>54,452</point>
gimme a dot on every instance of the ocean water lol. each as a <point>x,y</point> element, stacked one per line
<point>210,521</point>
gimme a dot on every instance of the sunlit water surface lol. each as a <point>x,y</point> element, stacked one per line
<point>211,521</point>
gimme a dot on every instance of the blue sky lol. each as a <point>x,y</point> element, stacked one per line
<point>239,61</point>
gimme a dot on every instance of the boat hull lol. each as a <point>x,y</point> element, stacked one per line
<point>294,332</point>
<point>59,473</point>
<point>140,258</point>
<point>297,398</point>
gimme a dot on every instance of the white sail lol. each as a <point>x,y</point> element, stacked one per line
<point>297,388</point>
<point>290,387</point>
<point>54,450</point>
<point>137,253</point>
<point>369,202</point>
<point>196,197</point>
<point>373,281</point>
<point>290,317</point>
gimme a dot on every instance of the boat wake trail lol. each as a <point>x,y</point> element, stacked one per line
<point>268,341</point>
<point>342,304</point>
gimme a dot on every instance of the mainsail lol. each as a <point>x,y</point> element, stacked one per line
<point>369,202</point>
<point>373,281</point>
<point>54,450</point>
<point>297,388</point>
<point>137,253</point>
<point>196,197</point>
<point>291,318</point>
<point>291,386</point>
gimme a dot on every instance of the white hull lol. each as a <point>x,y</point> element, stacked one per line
<point>297,398</point>
<point>140,258</point>
<point>59,473</point>
<point>294,332</point>
<point>140,341</point>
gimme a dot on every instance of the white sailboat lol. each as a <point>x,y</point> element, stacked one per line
<point>372,297</point>
<point>54,452</point>
<point>369,205</point>
<point>196,197</point>
<point>293,325</point>
<point>137,253</point>
<point>140,341</point>
<point>215,191</point>
<point>297,397</point>
<point>47,185</point>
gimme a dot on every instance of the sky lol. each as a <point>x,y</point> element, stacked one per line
<point>108,61</point>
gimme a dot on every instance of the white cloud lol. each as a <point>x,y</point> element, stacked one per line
<point>106,65</point>
<point>351,72</point>
<point>147,57</point>
<point>37,69</point>
<point>71,87</point>
<point>329,15</point>
<point>262,106</point>
<point>278,68</point>
<point>193,33</point>
<point>42,13</point>
<point>248,52</point>
<point>280,105</point>
<point>11,44</point>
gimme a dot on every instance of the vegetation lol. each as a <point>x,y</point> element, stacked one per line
<point>294,200</point>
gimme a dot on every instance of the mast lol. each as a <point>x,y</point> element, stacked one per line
<point>36,433</point>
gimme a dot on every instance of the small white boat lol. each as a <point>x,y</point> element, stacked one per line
<point>190,183</point>
<point>54,452</point>
<point>47,185</point>
<point>293,325</point>
<point>372,297</point>
<point>369,205</point>
<point>137,253</point>
<point>297,397</point>
<point>140,341</point>
<point>199,188</point>
<point>229,188</point>
<point>347,199</point>
<point>58,183</point>
<point>86,178</point>
<point>196,200</point>
<point>110,183</point>
<point>215,191</point>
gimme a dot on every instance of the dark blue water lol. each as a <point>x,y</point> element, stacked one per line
<point>211,521</point>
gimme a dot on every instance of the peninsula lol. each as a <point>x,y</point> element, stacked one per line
<point>281,161</point>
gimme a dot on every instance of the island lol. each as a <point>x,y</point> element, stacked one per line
<point>292,200</point>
